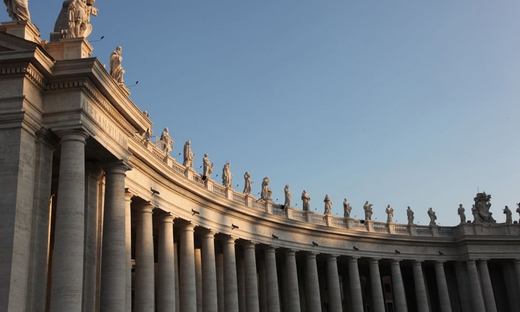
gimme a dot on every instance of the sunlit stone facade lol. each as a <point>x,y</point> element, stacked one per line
<point>97,217</point>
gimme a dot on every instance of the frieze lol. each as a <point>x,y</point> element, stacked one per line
<point>494,248</point>
<point>104,123</point>
<point>29,71</point>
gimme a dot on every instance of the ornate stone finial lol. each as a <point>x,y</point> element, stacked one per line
<point>247,183</point>
<point>166,141</point>
<point>18,10</point>
<point>266,190</point>
<point>227,176</point>
<point>481,213</point>
<point>207,167</point>
<point>288,195</point>
<point>346,209</point>
<point>389,213</point>
<point>368,211</point>
<point>79,12</point>
<point>462,214</point>
<point>432,216</point>
<point>306,201</point>
<point>328,205</point>
<point>409,215</point>
<point>116,69</point>
<point>188,155</point>
<point>509,215</point>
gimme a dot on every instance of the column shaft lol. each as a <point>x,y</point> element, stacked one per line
<point>517,271</point>
<point>128,250</point>
<point>230,276</point>
<point>198,277</point>
<point>69,237</point>
<point>187,286</point>
<point>355,285</point>
<point>397,281</point>
<point>333,284</point>
<point>476,291</point>
<point>487,287</point>
<point>377,289</point>
<point>463,287</point>
<point>251,284</point>
<point>420,287</point>
<point>442,286</point>
<point>209,273</point>
<point>166,274</point>
<point>144,300</point>
<point>273,297</point>
<point>293,293</point>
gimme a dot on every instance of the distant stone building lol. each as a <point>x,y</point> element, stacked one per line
<point>95,216</point>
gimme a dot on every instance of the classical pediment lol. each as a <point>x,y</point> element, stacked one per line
<point>10,43</point>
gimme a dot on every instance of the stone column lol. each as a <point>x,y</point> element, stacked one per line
<point>476,291</point>
<point>251,280</point>
<point>230,275</point>
<point>420,287</point>
<point>262,289</point>
<point>333,284</point>
<point>273,297</point>
<point>355,285</point>
<point>198,277</point>
<point>187,286</point>
<point>144,298</point>
<point>442,287</point>
<point>463,287</point>
<point>312,286</point>
<point>69,237</point>
<point>113,273</point>
<point>128,250</point>
<point>166,274</point>
<point>293,293</point>
<point>397,281</point>
<point>377,288</point>
<point>219,261</point>
<point>209,272</point>
<point>487,287</point>
<point>517,270</point>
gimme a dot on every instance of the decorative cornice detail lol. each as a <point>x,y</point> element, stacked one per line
<point>29,71</point>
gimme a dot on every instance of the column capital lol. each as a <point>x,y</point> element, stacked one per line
<point>72,135</point>
<point>376,260</point>
<point>228,239</point>
<point>118,166</point>
<point>166,218</point>
<point>187,227</point>
<point>208,233</point>
<point>129,194</point>
<point>145,207</point>
<point>94,170</point>
<point>332,256</point>
<point>353,258</point>
<point>249,245</point>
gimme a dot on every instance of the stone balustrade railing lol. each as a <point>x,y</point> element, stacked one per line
<point>348,224</point>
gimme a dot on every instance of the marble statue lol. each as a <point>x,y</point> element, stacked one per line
<point>432,216</point>
<point>288,195</point>
<point>462,214</point>
<point>79,12</point>
<point>18,10</point>
<point>227,176</point>
<point>188,155</point>
<point>266,190</point>
<point>166,141</point>
<point>346,209</point>
<point>247,183</point>
<point>306,201</point>
<point>207,167</point>
<point>328,205</point>
<point>389,214</point>
<point>368,211</point>
<point>509,215</point>
<point>116,69</point>
<point>482,205</point>
<point>518,210</point>
<point>409,215</point>
<point>476,218</point>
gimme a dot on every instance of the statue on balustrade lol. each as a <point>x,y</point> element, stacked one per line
<point>207,167</point>
<point>462,214</point>
<point>409,215</point>
<point>476,218</point>
<point>368,211</point>
<point>266,192</point>
<point>166,141</point>
<point>518,210</point>
<point>247,183</point>
<point>432,216</point>
<point>509,215</point>
<point>18,10</point>
<point>328,205</point>
<point>346,209</point>
<point>482,205</point>
<point>226,175</point>
<point>389,213</point>
<point>116,67</point>
<point>288,195</point>
<point>79,12</point>
<point>188,155</point>
<point>306,199</point>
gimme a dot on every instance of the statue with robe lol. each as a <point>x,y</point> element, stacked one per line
<point>18,10</point>
<point>116,69</point>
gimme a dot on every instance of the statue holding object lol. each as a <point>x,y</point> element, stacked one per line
<point>482,206</point>
<point>79,12</point>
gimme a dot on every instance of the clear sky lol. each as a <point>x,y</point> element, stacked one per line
<point>407,103</point>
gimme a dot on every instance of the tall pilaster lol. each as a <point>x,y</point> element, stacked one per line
<point>355,285</point>
<point>397,282</point>
<point>442,286</point>
<point>420,287</point>
<point>312,285</point>
<point>113,274</point>
<point>333,284</point>
<point>128,250</point>
<point>144,299</point>
<point>476,290</point>
<point>251,281</point>
<point>69,238</point>
<point>230,275</point>
<point>487,287</point>
<point>166,274</point>
<point>273,297</point>
<point>209,272</point>
<point>293,293</point>
<point>377,289</point>
<point>187,286</point>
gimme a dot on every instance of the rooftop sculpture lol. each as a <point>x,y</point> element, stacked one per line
<point>368,211</point>
<point>306,201</point>
<point>266,190</point>
<point>288,195</point>
<point>247,183</point>
<point>116,69</point>
<point>481,213</point>
<point>328,205</point>
<point>227,176</point>
<point>346,209</point>
<point>18,10</point>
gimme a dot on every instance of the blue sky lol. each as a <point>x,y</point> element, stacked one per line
<point>396,102</point>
